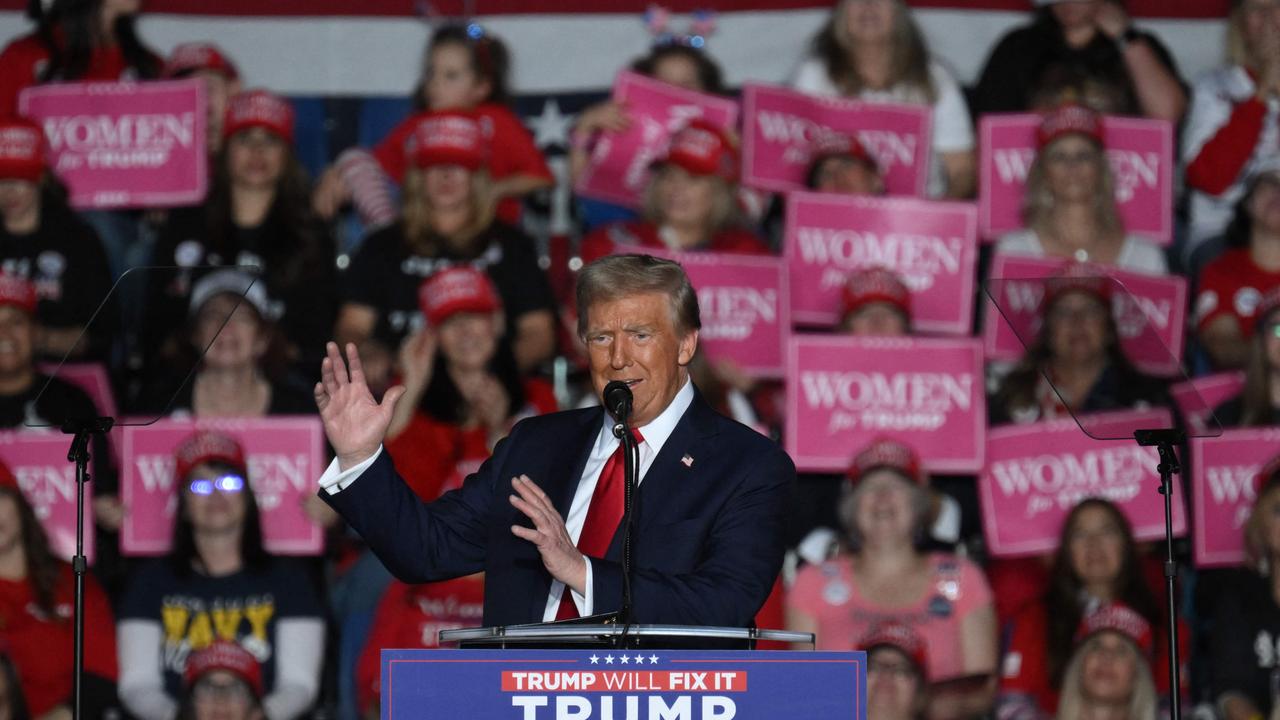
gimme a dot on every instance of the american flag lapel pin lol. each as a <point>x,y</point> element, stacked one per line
<point>687,460</point>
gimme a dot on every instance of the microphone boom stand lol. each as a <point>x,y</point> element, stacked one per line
<point>1163,441</point>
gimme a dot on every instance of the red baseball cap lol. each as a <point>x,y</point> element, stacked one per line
<point>259,108</point>
<point>890,454</point>
<point>829,145</point>
<point>21,149</point>
<point>901,638</point>
<point>701,148</point>
<point>447,138</point>
<point>1118,618</point>
<point>18,291</point>
<point>1068,119</point>
<point>206,447</point>
<point>1079,277</point>
<point>454,290</point>
<point>875,284</point>
<point>228,656</point>
<point>192,57</point>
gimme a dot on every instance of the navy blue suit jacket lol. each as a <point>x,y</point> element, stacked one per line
<point>707,542</point>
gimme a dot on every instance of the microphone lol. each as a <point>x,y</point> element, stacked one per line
<point>617,400</point>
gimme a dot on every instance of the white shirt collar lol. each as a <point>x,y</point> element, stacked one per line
<point>659,429</point>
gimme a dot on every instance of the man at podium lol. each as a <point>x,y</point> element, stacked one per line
<point>541,517</point>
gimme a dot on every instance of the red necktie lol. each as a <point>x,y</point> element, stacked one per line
<point>603,516</point>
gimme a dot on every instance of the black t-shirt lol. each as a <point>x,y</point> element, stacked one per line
<point>1027,57</point>
<point>195,610</point>
<point>1244,645</point>
<point>385,275</point>
<point>297,265</point>
<point>65,260</point>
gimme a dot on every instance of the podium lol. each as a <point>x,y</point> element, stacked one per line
<point>609,635</point>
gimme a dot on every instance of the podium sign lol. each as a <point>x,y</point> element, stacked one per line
<point>641,684</point>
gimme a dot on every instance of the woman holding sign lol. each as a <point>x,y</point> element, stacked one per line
<point>886,577</point>
<point>872,50</point>
<point>218,584</point>
<point>1069,206</point>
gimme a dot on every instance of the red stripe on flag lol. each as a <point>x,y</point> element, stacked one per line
<point>1185,9</point>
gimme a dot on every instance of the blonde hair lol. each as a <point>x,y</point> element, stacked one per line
<point>419,225</point>
<point>1038,201</point>
<point>725,213</point>
<point>909,64</point>
<point>1143,701</point>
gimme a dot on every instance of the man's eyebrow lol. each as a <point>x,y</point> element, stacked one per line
<point>642,327</point>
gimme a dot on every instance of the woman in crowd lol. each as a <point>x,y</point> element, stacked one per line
<point>885,576</point>
<point>222,682</point>
<point>447,220</point>
<point>42,239</point>
<point>257,214</point>
<point>83,40</point>
<point>1078,345</point>
<point>1258,405</point>
<point>1229,287</point>
<point>1069,206</point>
<point>37,595</point>
<point>872,50</point>
<point>1089,49</point>
<point>465,69</point>
<point>218,583</point>
<point>209,64</point>
<point>1096,563</point>
<point>1224,136</point>
<point>897,673</point>
<point>462,389</point>
<point>877,302</point>
<point>1245,620</point>
<point>690,203</point>
<point>1110,674</point>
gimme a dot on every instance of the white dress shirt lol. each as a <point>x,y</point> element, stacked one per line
<point>655,436</point>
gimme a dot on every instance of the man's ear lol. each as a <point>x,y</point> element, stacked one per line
<point>688,346</point>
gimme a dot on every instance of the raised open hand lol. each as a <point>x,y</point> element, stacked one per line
<point>354,422</point>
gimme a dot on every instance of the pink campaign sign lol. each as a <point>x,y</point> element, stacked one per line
<point>1223,476</point>
<point>931,245</point>
<point>1036,473</point>
<point>124,144</point>
<point>38,459</point>
<point>784,126</point>
<point>619,166</point>
<point>286,455</point>
<point>844,391</point>
<point>1141,155</point>
<point>1197,398</point>
<point>743,301</point>
<point>1150,317</point>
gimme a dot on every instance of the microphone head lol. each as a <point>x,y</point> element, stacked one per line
<point>617,399</point>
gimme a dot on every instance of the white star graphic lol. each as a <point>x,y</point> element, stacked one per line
<point>608,659</point>
<point>625,660</point>
<point>639,659</point>
<point>653,659</point>
<point>551,127</point>
<point>595,659</point>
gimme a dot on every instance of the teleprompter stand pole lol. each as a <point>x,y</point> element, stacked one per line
<point>83,431</point>
<point>1164,442</point>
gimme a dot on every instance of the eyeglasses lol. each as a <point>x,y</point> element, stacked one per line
<point>225,483</point>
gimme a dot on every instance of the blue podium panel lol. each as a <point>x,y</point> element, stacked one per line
<point>615,685</point>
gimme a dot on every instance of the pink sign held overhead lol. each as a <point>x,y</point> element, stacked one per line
<point>619,168</point>
<point>931,245</point>
<point>784,127</point>
<point>1140,152</point>
<point>844,391</point>
<point>1036,473</point>
<point>744,306</point>
<point>1197,398</point>
<point>1150,317</point>
<point>124,144</point>
<point>285,455</point>
<point>38,459</point>
<point>1224,472</point>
